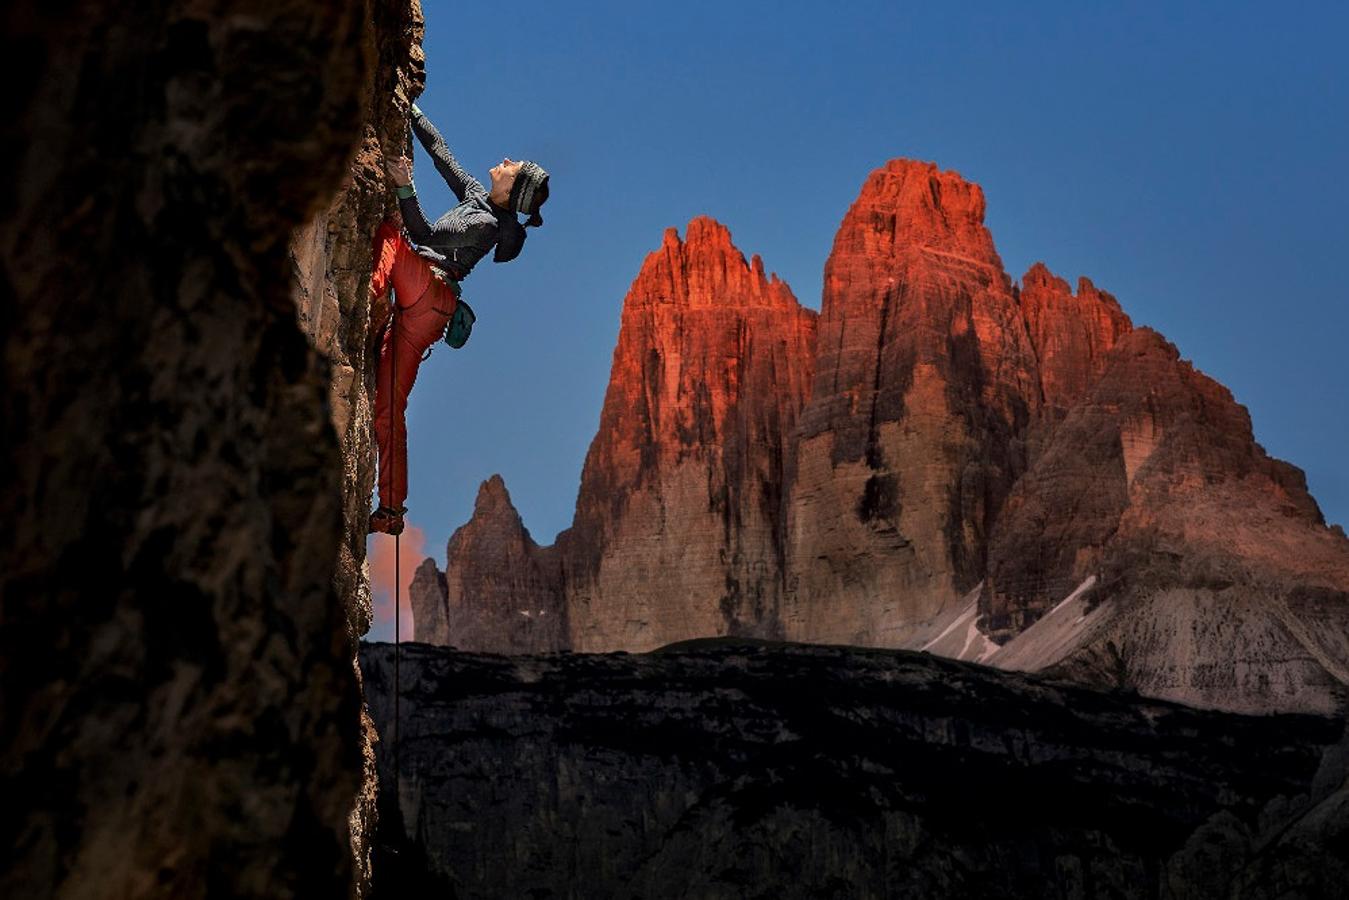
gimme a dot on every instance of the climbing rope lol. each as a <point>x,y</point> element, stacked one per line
<point>397,559</point>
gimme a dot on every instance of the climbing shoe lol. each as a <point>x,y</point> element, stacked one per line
<point>387,520</point>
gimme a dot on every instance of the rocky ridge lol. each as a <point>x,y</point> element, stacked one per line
<point>734,768</point>
<point>1214,577</point>
<point>950,460</point>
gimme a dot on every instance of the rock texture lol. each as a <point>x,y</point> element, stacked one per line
<point>501,593</point>
<point>331,262</point>
<point>680,521</point>
<point>181,715</point>
<point>1295,863</point>
<point>430,611</point>
<point>925,382</point>
<point>753,769</point>
<point>330,267</point>
<point>680,517</point>
<point>1215,578</point>
<point>968,455</point>
<point>1071,333</point>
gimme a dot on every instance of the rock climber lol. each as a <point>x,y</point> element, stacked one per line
<point>425,273</point>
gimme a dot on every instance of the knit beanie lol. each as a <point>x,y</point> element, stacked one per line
<point>530,191</point>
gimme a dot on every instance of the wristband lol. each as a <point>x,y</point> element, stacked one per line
<point>406,191</point>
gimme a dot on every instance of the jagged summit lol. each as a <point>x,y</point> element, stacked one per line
<point>1072,333</point>
<point>705,269</point>
<point>906,207</point>
<point>500,592</point>
<point>493,497</point>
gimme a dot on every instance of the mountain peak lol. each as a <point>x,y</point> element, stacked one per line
<point>493,498</point>
<point>1072,333</point>
<point>925,193</point>
<point>1040,276</point>
<point>705,269</point>
<point>707,231</point>
<point>907,208</point>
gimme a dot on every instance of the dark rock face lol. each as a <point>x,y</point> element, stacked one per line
<point>501,592</point>
<point>330,267</point>
<point>181,715</point>
<point>731,768</point>
<point>1297,863</point>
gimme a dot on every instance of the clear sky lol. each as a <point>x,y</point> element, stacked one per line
<point>1189,158</point>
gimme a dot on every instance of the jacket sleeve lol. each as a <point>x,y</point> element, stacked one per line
<point>463,184</point>
<point>414,220</point>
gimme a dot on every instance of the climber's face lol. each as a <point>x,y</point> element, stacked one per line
<point>503,179</point>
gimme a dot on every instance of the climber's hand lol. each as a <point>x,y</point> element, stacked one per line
<point>400,170</point>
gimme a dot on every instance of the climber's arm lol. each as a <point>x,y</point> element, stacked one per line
<point>413,219</point>
<point>400,170</point>
<point>463,184</point>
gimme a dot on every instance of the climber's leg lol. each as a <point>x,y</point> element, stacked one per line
<point>418,325</point>
<point>398,266</point>
<point>391,399</point>
<point>425,304</point>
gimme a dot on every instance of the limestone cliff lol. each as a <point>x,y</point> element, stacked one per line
<point>952,458</point>
<point>680,520</point>
<point>427,598</point>
<point>331,260</point>
<point>1071,333</point>
<point>680,517</point>
<point>1214,579</point>
<point>925,382</point>
<point>330,268</point>
<point>181,714</point>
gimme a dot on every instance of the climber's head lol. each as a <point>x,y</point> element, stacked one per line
<point>521,187</point>
<point>503,179</point>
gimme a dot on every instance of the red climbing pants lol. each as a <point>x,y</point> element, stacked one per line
<point>424,305</point>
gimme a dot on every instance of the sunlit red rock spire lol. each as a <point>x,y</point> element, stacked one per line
<point>678,528</point>
<point>925,380</point>
<point>1072,333</point>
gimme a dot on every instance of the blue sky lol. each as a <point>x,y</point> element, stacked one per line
<point>1189,158</point>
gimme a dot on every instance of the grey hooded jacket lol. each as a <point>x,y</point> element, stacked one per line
<point>463,235</point>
